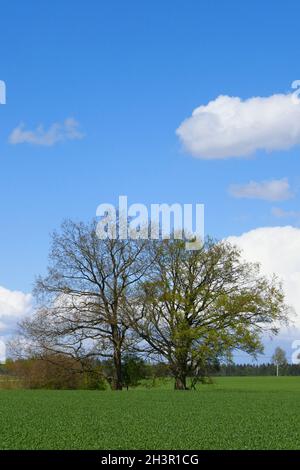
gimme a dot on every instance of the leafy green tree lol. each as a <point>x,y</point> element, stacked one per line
<point>279,358</point>
<point>198,306</point>
<point>133,370</point>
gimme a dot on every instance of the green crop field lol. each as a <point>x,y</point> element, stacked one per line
<point>233,413</point>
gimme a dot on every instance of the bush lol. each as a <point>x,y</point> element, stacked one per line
<point>133,369</point>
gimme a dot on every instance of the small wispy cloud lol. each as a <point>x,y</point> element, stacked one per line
<point>281,213</point>
<point>57,132</point>
<point>269,190</point>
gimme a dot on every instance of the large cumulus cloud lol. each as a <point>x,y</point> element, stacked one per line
<point>232,127</point>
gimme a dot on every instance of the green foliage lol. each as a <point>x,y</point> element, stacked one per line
<point>199,306</point>
<point>279,357</point>
<point>92,381</point>
<point>133,370</point>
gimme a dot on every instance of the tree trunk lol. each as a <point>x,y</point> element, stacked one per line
<point>180,383</point>
<point>117,382</point>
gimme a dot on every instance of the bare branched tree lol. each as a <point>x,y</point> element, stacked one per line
<point>83,299</point>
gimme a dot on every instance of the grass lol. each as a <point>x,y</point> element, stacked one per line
<point>234,413</point>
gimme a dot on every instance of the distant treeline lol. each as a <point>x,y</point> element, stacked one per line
<point>255,370</point>
<point>61,372</point>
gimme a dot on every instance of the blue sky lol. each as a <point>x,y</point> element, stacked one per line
<point>130,73</point>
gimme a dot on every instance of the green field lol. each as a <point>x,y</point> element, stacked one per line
<point>234,413</point>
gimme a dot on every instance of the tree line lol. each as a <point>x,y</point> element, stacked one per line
<point>62,372</point>
<point>267,369</point>
<point>104,300</point>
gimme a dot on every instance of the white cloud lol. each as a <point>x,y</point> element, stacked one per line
<point>272,190</point>
<point>232,127</point>
<point>278,251</point>
<point>57,132</point>
<point>14,305</point>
